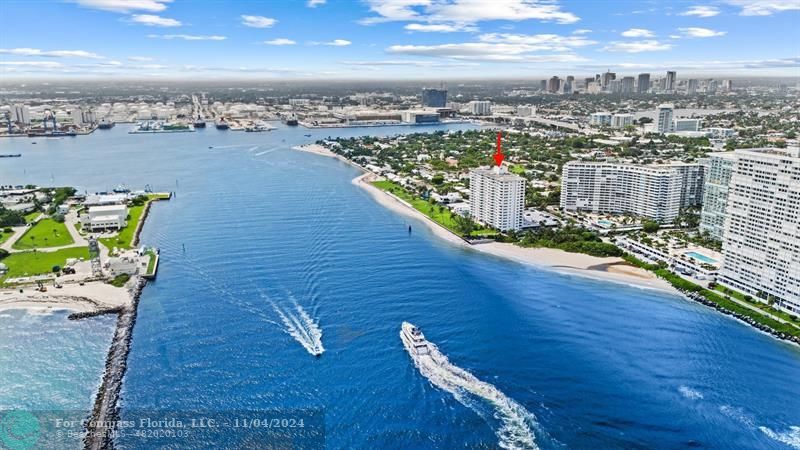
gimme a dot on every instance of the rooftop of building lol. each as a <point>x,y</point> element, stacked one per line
<point>498,173</point>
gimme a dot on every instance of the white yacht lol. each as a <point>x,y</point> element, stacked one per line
<point>414,340</point>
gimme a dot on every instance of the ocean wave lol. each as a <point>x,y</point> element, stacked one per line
<point>738,414</point>
<point>691,394</point>
<point>790,437</point>
<point>516,422</point>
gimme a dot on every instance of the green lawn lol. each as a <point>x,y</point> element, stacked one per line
<point>439,214</point>
<point>683,284</point>
<point>46,233</point>
<point>758,304</point>
<point>517,169</point>
<point>35,263</point>
<point>4,236</point>
<point>125,237</point>
<point>31,216</point>
<point>151,263</point>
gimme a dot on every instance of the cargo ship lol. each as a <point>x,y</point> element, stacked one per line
<point>105,124</point>
<point>199,123</point>
<point>222,124</point>
<point>290,120</point>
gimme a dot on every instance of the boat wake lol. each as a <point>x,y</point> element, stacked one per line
<point>790,437</point>
<point>299,325</point>
<point>516,423</point>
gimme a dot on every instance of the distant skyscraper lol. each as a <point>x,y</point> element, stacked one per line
<point>727,85</point>
<point>627,85</point>
<point>543,85</point>
<point>711,86</point>
<point>664,122</point>
<point>497,198</point>
<point>643,84</point>
<point>554,84</point>
<point>669,85</point>
<point>691,86</point>
<point>434,98</point>
<point>569,85</point>
<point>587,82</point>
<point>606,78</point>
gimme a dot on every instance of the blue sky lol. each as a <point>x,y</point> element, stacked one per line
<point>404,39</point>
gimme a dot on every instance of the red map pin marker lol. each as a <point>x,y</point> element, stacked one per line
<point>498,157</point>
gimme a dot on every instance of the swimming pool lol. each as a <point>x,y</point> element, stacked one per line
<point>605,223</point>
<point>701,257</point>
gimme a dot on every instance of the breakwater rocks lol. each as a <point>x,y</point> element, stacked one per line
<point>105,413</point>
<point>746,319</point>
<point>97,312</point>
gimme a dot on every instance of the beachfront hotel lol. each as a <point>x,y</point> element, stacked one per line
<point>657,192</point>
<point>761,239</point>
<point>497,198</point>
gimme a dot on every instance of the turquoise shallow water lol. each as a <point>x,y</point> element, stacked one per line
<point>276,240</point>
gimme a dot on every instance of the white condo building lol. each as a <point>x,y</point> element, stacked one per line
<point>497,198</point>
<point>657,192</point>
<point>715,193</point>
<point>761,241</point>
<point>664,120</point>
<point>480,107</point>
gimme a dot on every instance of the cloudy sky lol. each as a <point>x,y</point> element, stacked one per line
<point>211,39</point>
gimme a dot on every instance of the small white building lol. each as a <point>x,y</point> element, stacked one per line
<point>109,217</point>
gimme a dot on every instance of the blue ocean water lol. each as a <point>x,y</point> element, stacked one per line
<point>263,246</point>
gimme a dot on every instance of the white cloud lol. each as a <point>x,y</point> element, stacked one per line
<point>582,31</point>
<point>44,64</point>
<point>638,46</point>
<point>764,7</point>
<point>637,32</point>
<point>187,37</point>
<point>140,58</point>
<point>50,53</point>
<point>439,27</point>
<point>334,43</point>
<point>701,11</point>
<point>280,41</point>
<point>414,63</point>
<point>538,42</point>
<point>466,11</point>
<point>257,21</point>
<point>155,21</point>
<point>482,51</point>
<point>702,66</point>
<point>504,47</point>
<point>695,32</point>
<point>315,3</point>
<point>125,6</point>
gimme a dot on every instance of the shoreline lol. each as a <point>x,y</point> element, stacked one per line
<point>608,269</point>
<point>94,297</point>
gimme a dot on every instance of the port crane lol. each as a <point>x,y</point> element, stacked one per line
<point>49,115</point>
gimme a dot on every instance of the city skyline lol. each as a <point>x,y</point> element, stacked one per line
<point>419,39</point>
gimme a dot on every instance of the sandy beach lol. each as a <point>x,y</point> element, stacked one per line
<point>606,269</point>
<point>91,297</point>
<point>322,151</point>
